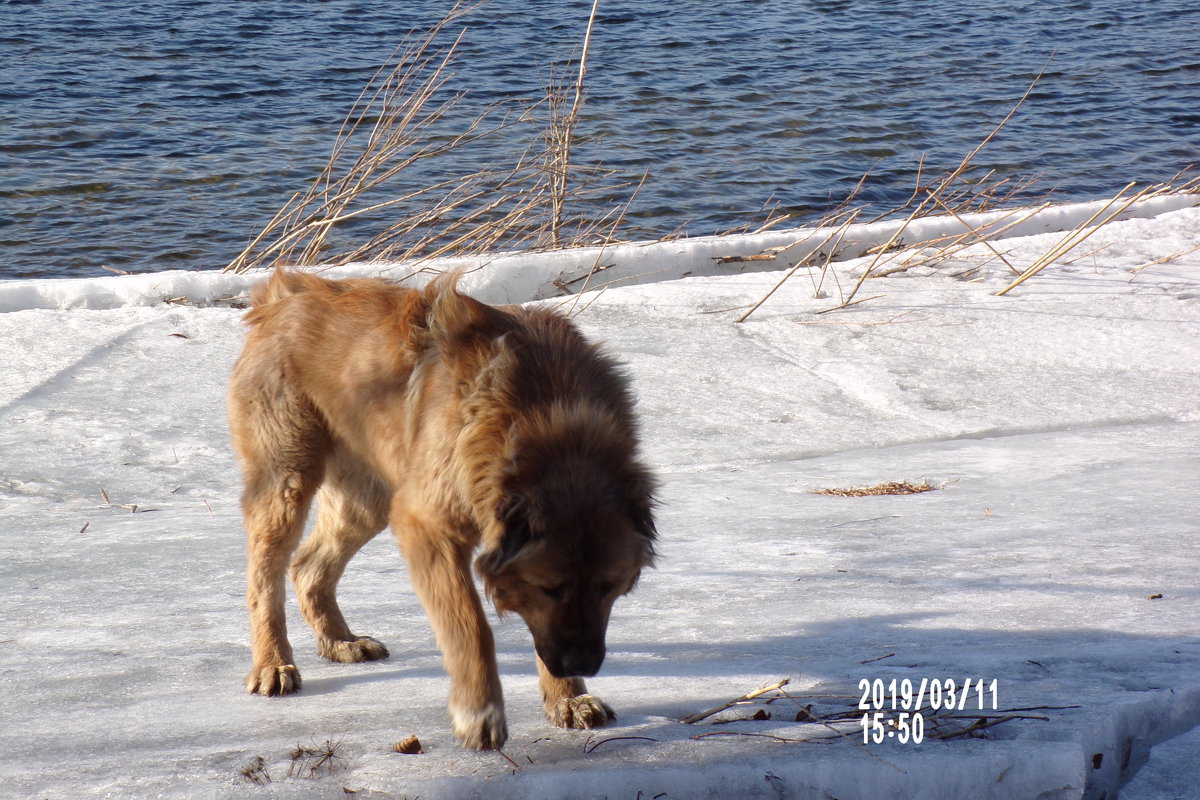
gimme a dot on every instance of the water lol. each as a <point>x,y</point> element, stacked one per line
<point>158,135</point>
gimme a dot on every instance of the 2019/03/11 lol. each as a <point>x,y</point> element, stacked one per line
<point>905,700</point>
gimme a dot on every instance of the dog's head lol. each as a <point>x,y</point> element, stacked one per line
<point>577,530</point>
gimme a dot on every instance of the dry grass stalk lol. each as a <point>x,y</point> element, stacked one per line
<point>696,717</point>
<point>255,771</point>
<point>940,726</point>
<point>561,135</point>
<point>1077,235</point>
<point>888,488</point>
<point>829,256</point>
<point>803,261</point>
<point>952,193</point>
<point>396,101</point>
<point>982,239</point>
<point>590,746</point>
<point>1088,254</point>
<point>950,245</point>
<point>773,219</point>
<point>945,198</point>
<point>975,236</point>
<point>596,291</point>
<point>939,723</point>
<point>400,119</point>
<point>618,217</point>
<point>311,762</point>
<point>1109,212</point>
<point>1167,259</point>
<point>839,220</point>
<point>303,226</point>
<point>942,187</point>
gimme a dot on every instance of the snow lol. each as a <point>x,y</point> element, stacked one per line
<point>1059,423</point>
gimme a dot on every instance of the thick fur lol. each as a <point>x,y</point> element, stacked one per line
<point>465,427</point>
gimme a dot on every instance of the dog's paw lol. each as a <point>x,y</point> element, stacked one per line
<point>364,648</point>
<point>274,679</point>
<point>583,711</point>
<point>481,728</point>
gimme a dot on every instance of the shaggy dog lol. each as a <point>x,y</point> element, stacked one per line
<point>463,426</point>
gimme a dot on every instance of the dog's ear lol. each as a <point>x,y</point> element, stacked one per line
<point>641,513</point>
<point>643,521</point>
<point>513,515</point>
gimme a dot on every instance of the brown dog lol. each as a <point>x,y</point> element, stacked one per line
<point>462,425</point>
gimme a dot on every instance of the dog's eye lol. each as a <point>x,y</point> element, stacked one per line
<point>555,593</point>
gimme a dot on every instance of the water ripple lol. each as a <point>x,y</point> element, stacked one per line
<point>163,134</point>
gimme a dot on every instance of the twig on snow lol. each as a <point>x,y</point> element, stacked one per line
<point>693,718</point>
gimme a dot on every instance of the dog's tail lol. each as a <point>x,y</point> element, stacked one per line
<point>455,320</point>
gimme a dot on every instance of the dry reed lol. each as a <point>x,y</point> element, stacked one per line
<point>887,488</point>
<point>407,115</point>
<point>952,197</point>
<point>401,119</point>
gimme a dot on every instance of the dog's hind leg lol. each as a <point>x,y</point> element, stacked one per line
<point>567,703</point>
<point>352,508</point>
<point>439,565</point>
<point>281,446</point>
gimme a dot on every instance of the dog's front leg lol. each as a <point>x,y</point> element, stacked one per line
<point>567,703</point>
<point>440,569</point>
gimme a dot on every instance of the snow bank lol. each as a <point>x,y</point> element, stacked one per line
<point>520,277</point>
<point>1056,556</point>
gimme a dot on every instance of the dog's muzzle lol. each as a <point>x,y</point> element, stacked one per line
<point>573,663</point>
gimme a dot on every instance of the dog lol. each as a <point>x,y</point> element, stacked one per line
<point>463,426</point>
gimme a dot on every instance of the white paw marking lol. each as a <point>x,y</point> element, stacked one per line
<point>481,728</point>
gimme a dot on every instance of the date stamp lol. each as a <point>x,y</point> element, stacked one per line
<point>896,709</point>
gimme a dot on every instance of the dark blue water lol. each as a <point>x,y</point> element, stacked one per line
<point>157,135</point>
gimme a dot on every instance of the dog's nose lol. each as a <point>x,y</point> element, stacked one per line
<point>582,663</point>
